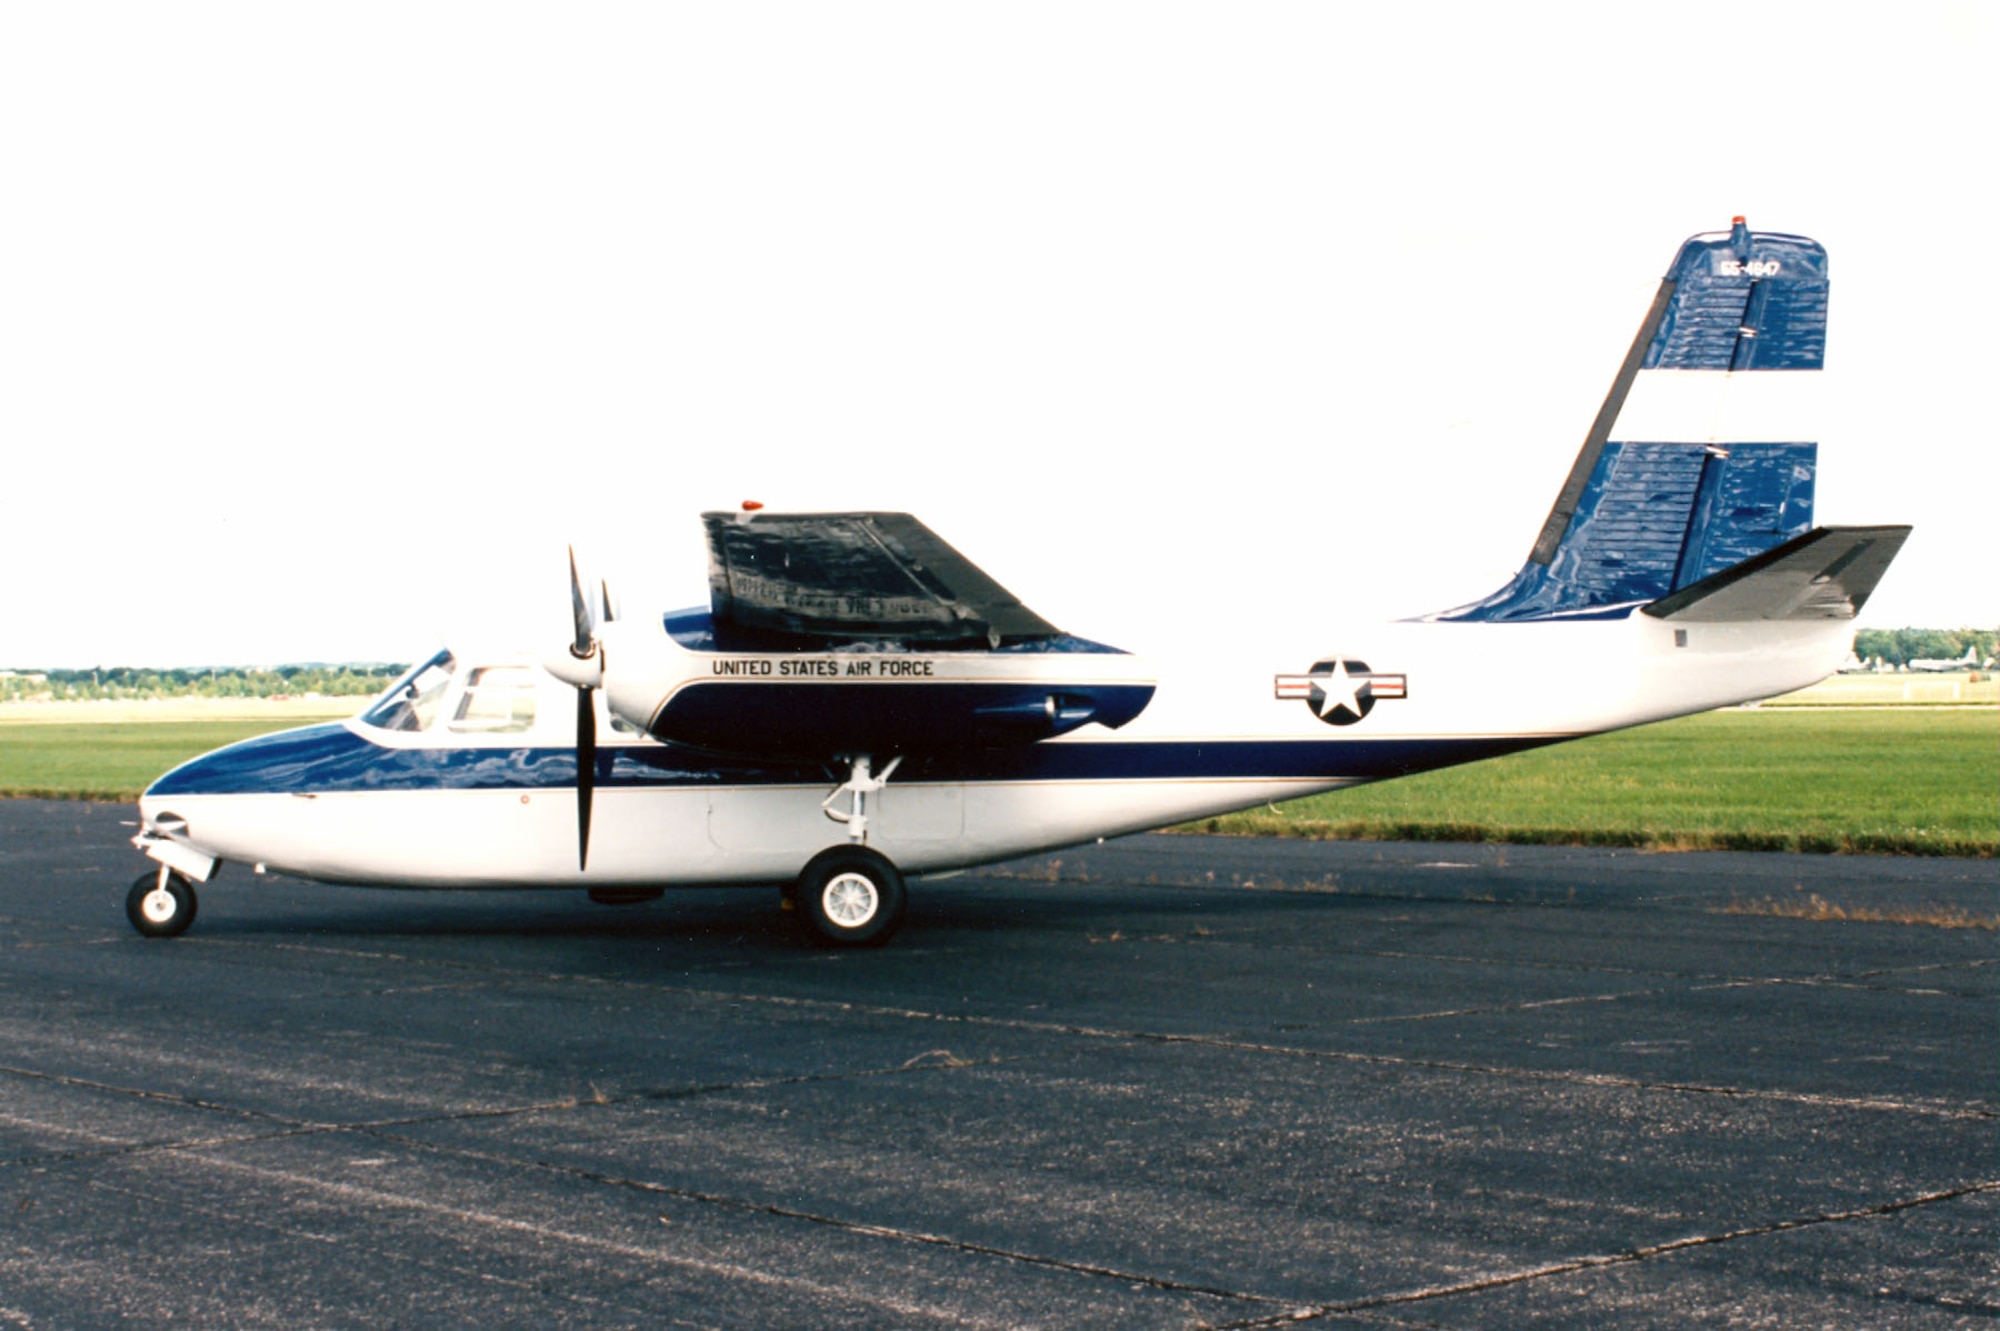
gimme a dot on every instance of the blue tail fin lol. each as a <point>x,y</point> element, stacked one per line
<point>1690,467</point>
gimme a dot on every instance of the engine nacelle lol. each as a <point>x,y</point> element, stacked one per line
<point>869,698</point>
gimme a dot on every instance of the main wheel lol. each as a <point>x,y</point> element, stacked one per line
<point>157,911</point>
<point>851,896</point>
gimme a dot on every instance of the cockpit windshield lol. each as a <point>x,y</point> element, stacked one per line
<point>411,703</point>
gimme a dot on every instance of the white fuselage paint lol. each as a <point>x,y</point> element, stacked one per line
<point>1532,682</point>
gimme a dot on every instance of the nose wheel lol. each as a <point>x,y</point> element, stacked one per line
<point>161,903</point>
<point>850,896</point>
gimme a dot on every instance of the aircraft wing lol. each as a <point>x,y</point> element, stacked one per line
<point>1825,573</point>
<point>856,577</point>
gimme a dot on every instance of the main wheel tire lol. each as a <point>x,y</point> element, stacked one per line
<point>160,912</point>
<point>851,896</point>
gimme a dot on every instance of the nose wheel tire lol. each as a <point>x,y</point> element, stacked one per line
<point>160,910</point>
<point>851,896</point>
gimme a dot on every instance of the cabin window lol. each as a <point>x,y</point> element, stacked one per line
<point>411,703</point>
<point>498,700</point>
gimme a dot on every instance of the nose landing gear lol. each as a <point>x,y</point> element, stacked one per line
<point>161,903</point>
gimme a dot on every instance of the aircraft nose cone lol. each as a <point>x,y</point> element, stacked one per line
<point>265,764</point>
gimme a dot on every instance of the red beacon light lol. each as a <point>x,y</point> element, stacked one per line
<point>752,505</point>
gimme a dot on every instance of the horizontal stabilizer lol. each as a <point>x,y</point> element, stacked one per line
<point>1826,573</point>
<point>836,577</point>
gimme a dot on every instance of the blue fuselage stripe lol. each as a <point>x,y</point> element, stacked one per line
<point>332,759</point>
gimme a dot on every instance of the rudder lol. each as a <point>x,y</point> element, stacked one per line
<point>1693,463</point>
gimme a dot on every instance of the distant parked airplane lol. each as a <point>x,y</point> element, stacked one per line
<point>1970,661</point>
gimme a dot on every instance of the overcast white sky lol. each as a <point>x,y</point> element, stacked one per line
<point>324,328</point>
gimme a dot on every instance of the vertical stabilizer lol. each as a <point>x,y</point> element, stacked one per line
<point>1701,455</point>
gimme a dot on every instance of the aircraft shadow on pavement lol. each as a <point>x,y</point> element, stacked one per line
<point>945,914</point>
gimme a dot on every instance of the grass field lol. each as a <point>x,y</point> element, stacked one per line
<point>113,750</point>
<point>1906,780</point>
<point>108,760</point>
<point>1953,688</point>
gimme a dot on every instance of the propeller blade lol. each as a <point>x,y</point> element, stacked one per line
<point>583,673</point>
<point>605,587</point>
<point>586,773</point>
<point>585,629</point>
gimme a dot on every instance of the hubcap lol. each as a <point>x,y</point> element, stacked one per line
<point>159,906</point>
<point>851,900</point>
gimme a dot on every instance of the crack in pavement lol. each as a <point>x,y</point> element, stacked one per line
<point>1601,1079</point>
<point>1487,1010</point>
<point>110,1148</point>
<point>1859,979</point>
<point>164,1097</point>
<point>1504,963</point>
<point>1314,1312</point>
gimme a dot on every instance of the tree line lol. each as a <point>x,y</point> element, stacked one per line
<point>330,681</point>
<point>1902,646</point>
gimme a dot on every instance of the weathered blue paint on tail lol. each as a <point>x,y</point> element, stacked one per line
<point>1654,518</point>
<point>1750,300</point>
<point>1638,520</point>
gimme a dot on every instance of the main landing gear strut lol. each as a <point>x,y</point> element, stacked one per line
<point>858,787</point>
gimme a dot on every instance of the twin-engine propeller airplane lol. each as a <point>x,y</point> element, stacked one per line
<point>859,703</point>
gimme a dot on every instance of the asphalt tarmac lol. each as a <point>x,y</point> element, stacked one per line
<point>1171,1081</point>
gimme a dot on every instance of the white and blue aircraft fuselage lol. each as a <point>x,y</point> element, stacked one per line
<point>860,703</point>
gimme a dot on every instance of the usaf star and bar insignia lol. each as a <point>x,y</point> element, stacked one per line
<point>1339,691</point>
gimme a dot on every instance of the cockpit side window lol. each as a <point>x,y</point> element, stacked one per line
<point>498,700</point>
<point>411,703</point>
